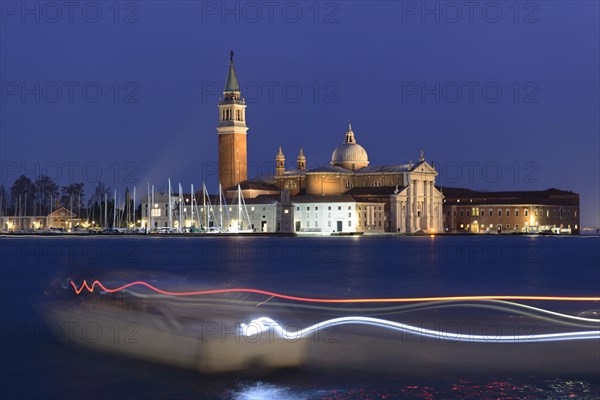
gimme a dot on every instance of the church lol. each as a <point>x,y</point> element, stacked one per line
<point>398,198</point>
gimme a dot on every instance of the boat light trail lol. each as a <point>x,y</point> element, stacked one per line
<point>264,324</point>
<point>99,284</point>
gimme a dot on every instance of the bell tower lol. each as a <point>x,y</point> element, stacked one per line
<point>279,163</point>
<point>233,164</point>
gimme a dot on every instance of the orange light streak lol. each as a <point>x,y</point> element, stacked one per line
<point>318,300</point>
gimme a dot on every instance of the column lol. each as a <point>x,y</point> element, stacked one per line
<point>415,204</point>
<point>408,217</point>
<point>431,216</point>
<point>425,216</point>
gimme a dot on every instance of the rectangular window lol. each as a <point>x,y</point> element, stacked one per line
<point>349,215</point>
<point>307,208</point>
<point>468,213</point>
<point>339,208</point>
<point>508,213</point>
<point>499,213</point>
<point>526,212</point>
<point>461,213</point>
<point>349,223</point>
<point>329,207</point>
<point>516,213</point>
<point>349,207</point>
<point>316,207</point>
<point>329,224</point>
<point>491,212</point>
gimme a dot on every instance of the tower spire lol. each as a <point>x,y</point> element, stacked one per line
<point>231,84</point>
<point>279,162</point>
<point>301,161</point>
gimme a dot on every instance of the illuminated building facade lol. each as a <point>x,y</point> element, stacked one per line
<point>409,200</point>
<point>551,210</point>
<point>337,214</point>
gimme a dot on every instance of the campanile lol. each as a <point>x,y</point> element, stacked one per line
<point>233,164</point>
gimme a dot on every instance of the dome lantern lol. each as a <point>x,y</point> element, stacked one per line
<point>350,155</point>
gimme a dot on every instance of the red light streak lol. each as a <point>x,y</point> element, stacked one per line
<point>319,300</point>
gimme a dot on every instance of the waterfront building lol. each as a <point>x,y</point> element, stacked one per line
<point>62,218</point>
<point>411,203</point>
<point>351,193</point>
<point>337,214</point>
<point>550,210</point>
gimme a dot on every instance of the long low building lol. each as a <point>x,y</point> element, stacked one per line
<point>337,214</point>
<point>550,210</point>
<point>58,219</point>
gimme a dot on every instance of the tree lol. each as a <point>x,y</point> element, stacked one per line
<point>3,200</point>
<point>46,190</point>
<point>72,196</point>
<point>99,192</point>
<point>22,193</point>
<point>96,203</point>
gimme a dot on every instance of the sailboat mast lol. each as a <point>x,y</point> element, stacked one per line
<point>220,206</point>
<point>170,209</point>
<point>180,207</point>
<point>148,208</point>
<point>105,210</point>
<point>193,196</point>
<point>239,207</point>
<point>115,211</point>
<point>151,209</point>
<point>133,213</point>
<point>204,201</point>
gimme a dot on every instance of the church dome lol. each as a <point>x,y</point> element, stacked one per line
<point>350,155</point>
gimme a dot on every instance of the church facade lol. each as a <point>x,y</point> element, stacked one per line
<point>406,192</point>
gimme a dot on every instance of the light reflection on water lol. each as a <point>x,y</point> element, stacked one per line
<point>460,389</point>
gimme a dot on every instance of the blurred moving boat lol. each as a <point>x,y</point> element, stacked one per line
<point>172,333</point>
